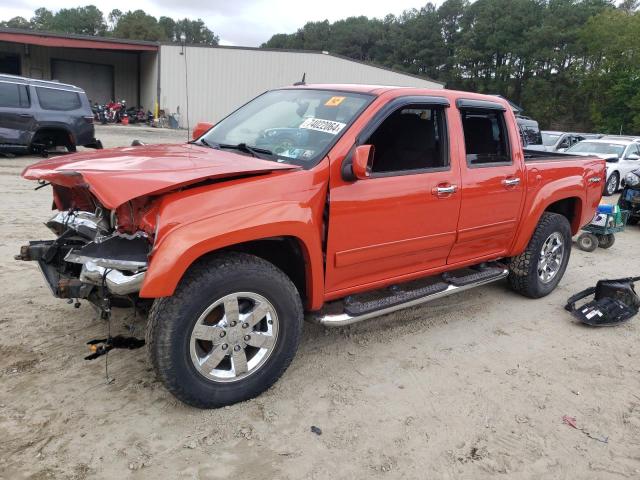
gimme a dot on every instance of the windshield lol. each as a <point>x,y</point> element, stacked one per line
<point>550,139</point>
<point>294,126</point>
<point>597,148</point>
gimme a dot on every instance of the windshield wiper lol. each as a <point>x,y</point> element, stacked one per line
<point>243,147</point>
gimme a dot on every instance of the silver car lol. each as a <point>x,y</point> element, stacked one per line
<point>554,141</point>
<point>621,153</point>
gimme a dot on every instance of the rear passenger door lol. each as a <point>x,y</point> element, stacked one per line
<point>16,120</point>
<point>492,182</point>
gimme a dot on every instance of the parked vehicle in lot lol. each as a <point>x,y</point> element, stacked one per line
<point>621,154</point>
<point>630,196</point>
<point>529,132</point>
<point>559,141</point>
<point>38,115</point>
<point>428,191</point>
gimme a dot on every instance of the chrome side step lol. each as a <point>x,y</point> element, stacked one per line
<point>342,319</point>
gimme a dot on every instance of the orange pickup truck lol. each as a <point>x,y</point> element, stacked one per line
<point>341,202</point>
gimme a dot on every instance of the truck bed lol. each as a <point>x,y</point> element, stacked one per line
<point>537,155</point>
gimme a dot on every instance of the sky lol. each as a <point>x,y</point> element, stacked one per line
<point>236,22</point>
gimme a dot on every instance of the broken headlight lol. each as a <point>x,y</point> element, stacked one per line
<point>632,179</point>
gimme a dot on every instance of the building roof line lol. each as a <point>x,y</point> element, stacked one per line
<point>75,36</point>
<point>113,40</point>
<point>316,52</point>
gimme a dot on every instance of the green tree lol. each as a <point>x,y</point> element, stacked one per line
<point>168,25</point>
<point>195,32</point>
<point>42,19</point>
<point>16,22</point>
<point>114,17</point>
<point>81,20</point>
<point>138,25</point>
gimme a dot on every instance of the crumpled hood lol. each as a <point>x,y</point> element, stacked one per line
<point>118,175</point>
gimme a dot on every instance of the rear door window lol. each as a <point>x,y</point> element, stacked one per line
<point>54,99</point>
<point>485,137</point>
<point>13,95</point>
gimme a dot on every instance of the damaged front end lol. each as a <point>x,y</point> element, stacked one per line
<point>90,259</point>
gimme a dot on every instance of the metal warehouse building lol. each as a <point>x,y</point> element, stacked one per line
<point>150,74</point>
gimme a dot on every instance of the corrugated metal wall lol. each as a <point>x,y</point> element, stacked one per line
<point>37,64</point>
<point>221,79</point>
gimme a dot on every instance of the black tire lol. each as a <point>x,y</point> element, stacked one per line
<point>633,220</point>
<point>611,187</point>
<point>172,320</point>
<point>606,241</point>
<point>587,242</point>
<point>523,269</point>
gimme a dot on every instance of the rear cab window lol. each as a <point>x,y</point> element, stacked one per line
<point>485,137</point>
<point>14,95</point>
<point>57,99</point>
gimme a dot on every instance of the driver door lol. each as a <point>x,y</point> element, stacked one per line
<point>403,218</point>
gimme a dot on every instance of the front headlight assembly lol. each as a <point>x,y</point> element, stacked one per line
<point>632,179</point>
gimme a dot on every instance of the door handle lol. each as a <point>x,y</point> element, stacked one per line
<point>25,115</point>
<point>511,182</point>
<point>441,191</point>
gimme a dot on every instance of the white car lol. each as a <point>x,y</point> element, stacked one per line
<point>553,141</point>
<point>622,156</point>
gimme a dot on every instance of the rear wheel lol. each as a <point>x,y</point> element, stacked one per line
<point>48,139</point>
<point>606,241</point>
<point>537,271</point>
<point>612,184</point>
<point>228,333</point>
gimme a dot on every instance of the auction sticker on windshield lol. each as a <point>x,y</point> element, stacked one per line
<point>334,101</point>
<point>320,125</point>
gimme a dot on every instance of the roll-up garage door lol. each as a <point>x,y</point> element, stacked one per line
<point>95,79</point>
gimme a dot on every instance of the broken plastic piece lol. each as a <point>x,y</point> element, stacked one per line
<point>101,346</point>
<point>615,301</point>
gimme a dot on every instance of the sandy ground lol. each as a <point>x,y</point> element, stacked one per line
<point>470,387</point>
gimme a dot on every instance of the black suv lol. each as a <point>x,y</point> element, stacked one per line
<point>38,115</point>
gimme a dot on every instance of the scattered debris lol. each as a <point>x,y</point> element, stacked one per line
<point>316,430</point>
<point>100,346</point>
<point>571,421</point>
<point>614,302</point>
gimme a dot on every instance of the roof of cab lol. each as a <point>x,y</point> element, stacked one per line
<point>377,90</point>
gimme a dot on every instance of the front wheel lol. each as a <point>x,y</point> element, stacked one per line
<point>228,333</point>
<point>612,184</point>
<point>537,271</point>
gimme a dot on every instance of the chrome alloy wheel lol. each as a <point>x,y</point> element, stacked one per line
<point>234,337</point>
<point>612,184</point>
<point>551,257</point>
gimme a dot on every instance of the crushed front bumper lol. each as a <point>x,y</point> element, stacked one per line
<point>66,282</point>
<point>84,262</point>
